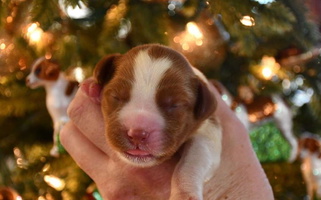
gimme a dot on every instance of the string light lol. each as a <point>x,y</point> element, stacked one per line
<point>46,167</point>
<point>265,1</point>
<point>55,182</point>
<point>78,12</point>
<point>124,29</point>
<point>192,36</point>
<point>2,46</point>
<point>269,67</point>
<point>302,96</point>
<point>21,162</point>
<point>79,74</point>
<point>267,72</point>
<point>286,84</point>
<point>41,198</point>
<point>247,21</point>
<point>9,19</point>
<point>34,33</point>
<point>193,29</point>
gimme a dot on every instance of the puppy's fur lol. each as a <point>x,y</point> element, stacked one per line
<point>59,93</point>
<point>253,110</point>
<point>310,155</point>
<point>156,105</point>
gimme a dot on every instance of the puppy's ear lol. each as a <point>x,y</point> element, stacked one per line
<point>105,69</point>
<point>52,70</point>
<point>205,103</point>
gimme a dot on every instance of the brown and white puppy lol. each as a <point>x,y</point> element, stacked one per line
<point>156,105</point>
<point>59,92</point>
<point>310,155</point>
<point>253,110</point>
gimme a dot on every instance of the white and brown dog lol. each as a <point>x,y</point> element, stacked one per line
<point>156,105</point>
<point>310,156</point>
<point>254,110</point>
<point>59,92</point>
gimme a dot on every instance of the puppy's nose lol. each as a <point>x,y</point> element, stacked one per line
<point>137,136</point>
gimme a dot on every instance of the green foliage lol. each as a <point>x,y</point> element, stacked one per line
<point>316,105</point>
<point>273,20</point>
<point>157,29</point>
<point>72,3</point>
<point>286,180</point>
<point>308,117</point>
<point>44,12</point>
<point>269,144</point>
<point>13,93</point>
<point>36,163</point>
<point>136,14</point>
<point>303,27</point>
<point>24,120</point>
<point>3,13</point>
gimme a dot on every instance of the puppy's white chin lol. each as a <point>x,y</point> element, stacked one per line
<point>33,85</point>
<point>139,160</point>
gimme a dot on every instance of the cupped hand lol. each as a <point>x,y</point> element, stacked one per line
<point>240,175</point>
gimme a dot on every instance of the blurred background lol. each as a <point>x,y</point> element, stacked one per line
<point>265,52</point>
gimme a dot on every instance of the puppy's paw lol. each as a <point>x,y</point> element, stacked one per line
<point>54,152</point>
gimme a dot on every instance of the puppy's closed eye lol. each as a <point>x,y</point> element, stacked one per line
<point>171,104</point>
<point>117,96</point>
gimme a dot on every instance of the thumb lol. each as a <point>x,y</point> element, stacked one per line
<point>85,113</point>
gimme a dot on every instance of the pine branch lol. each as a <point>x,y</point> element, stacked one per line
<point>144,31</point>
<point>12,97</point>
<point>72,3</point>
<point>300,59</point>
<point>307,33</point>
<point>44,12</point>
<point>272,22</point>
<point>3,7</point>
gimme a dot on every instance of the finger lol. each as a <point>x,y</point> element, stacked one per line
<point>85,113</point>
<point>83,151</point>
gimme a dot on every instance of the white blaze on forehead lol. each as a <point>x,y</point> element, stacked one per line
<point>148,72</point>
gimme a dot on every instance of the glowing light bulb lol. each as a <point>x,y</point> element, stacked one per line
<point>78,12</point>
<point>265,1</point>
<point>2,46</point>
<point>34,33</point>
<point>79,74</point>
<point>269,67</point>
<point>247,21</point>
<point>193,29</point>
<point>41,198</point>
<point>267,73</point>
<point>55,182</point>
<point>9,19</point>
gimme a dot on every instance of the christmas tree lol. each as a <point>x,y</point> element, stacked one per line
<point>269,46</point>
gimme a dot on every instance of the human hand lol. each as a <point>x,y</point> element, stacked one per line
<point>239,176</point>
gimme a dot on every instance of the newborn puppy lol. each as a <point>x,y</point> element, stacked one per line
<point>156,105</point>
